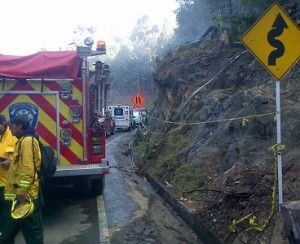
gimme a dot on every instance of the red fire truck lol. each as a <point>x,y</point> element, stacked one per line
<point>55,89</point>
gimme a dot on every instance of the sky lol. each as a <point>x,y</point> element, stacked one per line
<point>26,26</point>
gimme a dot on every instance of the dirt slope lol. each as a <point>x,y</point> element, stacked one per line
<point>210,138</point>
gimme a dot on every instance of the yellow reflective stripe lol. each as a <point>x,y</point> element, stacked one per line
<point>24,183</point>
<point>9,196</point>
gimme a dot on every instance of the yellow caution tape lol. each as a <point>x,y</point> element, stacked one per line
<point>276,149</point>
<point>233,227</point>
<point>245,120</point>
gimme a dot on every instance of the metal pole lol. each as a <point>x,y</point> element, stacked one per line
<point>84,105</point>
<point>99,98</point>
<point>279,162</point>
<point>103,97</point>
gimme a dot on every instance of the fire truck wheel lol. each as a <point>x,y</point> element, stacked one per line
<point>83,185</point>
<point>97,186</point>
<point>90,187</point>
<point>113,131</point>
<point>107,134</point>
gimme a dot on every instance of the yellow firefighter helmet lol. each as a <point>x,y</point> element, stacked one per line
<point>23,210</point>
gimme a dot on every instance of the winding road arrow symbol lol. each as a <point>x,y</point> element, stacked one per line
<point>278,27</point>
<point>274,40</point>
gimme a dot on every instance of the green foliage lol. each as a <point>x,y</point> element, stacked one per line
<point>124,68</point>
<point>239,25</point>
<point>193,19</point>
<point>232,14</point>
<point>247,12</point>
<point>185,178</point>
<point>138,135</point>
<point>134,63</point>
<point>145,149</point>
<point>166,166</point>
<point>261,5</point>
<point>164,157</point>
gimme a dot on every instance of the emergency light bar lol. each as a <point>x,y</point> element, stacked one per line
<point>101,46</point>
<point>85,51</point>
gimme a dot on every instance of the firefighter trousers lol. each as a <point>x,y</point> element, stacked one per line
<point>31,227</point>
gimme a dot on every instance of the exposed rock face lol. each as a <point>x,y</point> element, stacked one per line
<point>216,116</point>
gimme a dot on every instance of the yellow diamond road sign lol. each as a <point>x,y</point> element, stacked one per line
<point>274,40</point>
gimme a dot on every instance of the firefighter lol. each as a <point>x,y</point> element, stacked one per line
<point>22,185</point>
<point>7,144</point>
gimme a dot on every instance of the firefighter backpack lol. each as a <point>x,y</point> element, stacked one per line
<point>48,162</point>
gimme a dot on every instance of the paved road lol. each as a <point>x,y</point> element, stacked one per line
<point>69,218</point>
<point>129,212</point>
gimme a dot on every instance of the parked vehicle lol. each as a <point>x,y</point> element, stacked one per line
<point>123,116</point>
<point>137,118</point>
<point>140,116</point>
<point>108,123</point>
<point>53,89</point>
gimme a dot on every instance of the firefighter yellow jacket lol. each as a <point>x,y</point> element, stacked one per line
<point>22,177</point>
<point>7,144</point>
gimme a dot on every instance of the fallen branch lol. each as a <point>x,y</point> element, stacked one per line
<point>197,190</point>
<point>226,193</point>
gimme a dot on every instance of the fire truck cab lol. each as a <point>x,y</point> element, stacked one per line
<point>53,89</point>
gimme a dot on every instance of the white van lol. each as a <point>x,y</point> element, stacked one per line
<point>123,116</point>
<point>137,118</point>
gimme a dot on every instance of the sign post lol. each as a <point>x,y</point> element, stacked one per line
<point>274,40</point>
<point>279,159</point>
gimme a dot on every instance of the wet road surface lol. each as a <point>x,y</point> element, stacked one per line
<point>128,212</point>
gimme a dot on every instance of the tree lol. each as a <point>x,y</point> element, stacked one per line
<point>80,33</point>
<point>194,17</point>
<point>134,63</point>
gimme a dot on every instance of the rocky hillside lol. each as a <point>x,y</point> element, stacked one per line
<point>211,139</point>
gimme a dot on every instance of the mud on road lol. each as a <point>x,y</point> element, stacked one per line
<point>154,221</point>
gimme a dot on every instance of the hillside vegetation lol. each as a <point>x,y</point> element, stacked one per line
<point>211,139</point>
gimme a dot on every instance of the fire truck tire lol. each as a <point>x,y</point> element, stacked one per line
<point>90,187</point>
<point>97,186</point>
<point>107,133</point>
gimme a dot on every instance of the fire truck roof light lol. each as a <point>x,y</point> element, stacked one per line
<point>101,46</point>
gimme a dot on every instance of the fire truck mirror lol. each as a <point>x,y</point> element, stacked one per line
<point>75,114</point>
<point>65,136</point>
<point>65,90</point>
